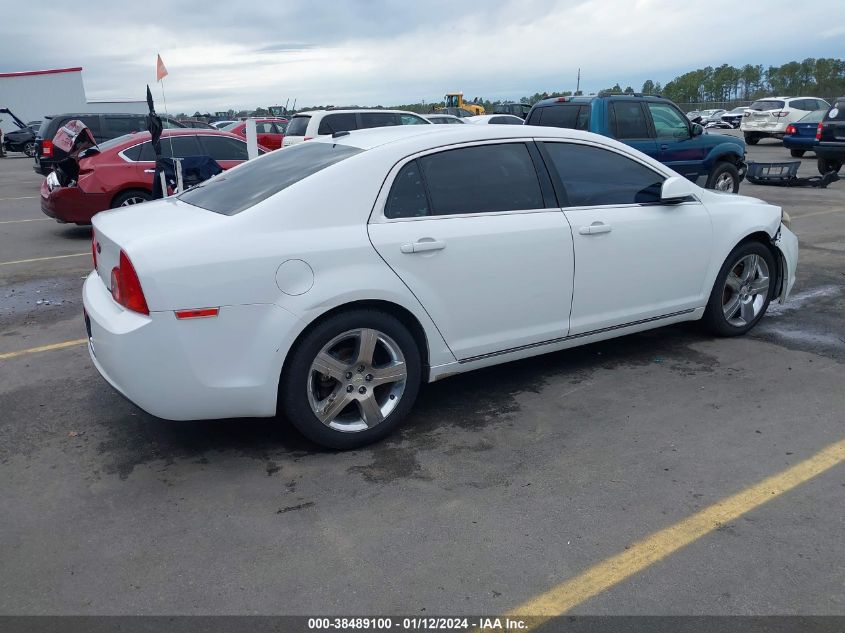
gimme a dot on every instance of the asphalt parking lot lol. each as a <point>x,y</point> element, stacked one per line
<point>503,488</point>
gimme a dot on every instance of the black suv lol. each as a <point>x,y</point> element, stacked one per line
<point>103,126</point>
<point>830,148</point>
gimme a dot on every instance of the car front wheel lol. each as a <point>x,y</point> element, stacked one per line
<point>724,177</point>
<point>352,379</point>
<point>796,153</point>
<point>743,290</point>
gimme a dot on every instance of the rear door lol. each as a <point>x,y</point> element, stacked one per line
<point>227,151</point>
<point>476,234</point>
<point>629,122</point>
<point>676,146</point>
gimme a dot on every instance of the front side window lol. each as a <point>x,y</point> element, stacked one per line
<point>628,120</point>
<point>668,122</point>
<point>593,176</point>
<point>340,122</point>
<point>482,179</point>
<point>407,197</point>
<point>224,148</point>
<point>411,119</point>
<point>233,192</point>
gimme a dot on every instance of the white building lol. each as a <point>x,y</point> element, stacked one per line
<point>32,95</point>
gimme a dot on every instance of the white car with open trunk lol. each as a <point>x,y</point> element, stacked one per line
<point>330,280</point>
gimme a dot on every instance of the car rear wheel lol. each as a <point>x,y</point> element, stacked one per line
<point>724,177</point>
<point>743,290</point>
<point>827,165</point>
<point>128,198</point>
<point>352,379</point>
<point>797,153</point>
<point>29,149</point>
<point>752,139</point>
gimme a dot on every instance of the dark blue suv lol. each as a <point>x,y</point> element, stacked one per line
<point>656,127</point>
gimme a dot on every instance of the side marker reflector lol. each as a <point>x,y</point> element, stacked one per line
<point>198,313</point>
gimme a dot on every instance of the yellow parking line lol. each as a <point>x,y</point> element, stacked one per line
<point>43,348</point>
<point>810,215</point>
<point>16,221</point>
<point>42,259</point>
<point>659,545</point>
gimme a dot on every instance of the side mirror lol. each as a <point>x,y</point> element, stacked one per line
<point>676,189</point>
<point>697,130</point>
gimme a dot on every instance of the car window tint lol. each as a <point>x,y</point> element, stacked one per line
<point>813,117</point>
<point>224,148</point>
<point>767,104</point>
<point>379,119</point>
<point>298,125</point>
<point>668,122</point>
<point>482,179</point>
<point>407,198</point>
<point>118,126</point>
<point>341,122</point>
<point>558,116</point>
<point>630,120</point>
<point>239,189</point>
<point>593,176</point>
<point>133,153</point>
<point>146,153</point>
<point>180,146</point>
<point>279,127</point>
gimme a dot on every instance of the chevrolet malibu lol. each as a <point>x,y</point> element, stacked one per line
<point>327,281</point>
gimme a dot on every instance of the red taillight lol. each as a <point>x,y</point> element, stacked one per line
<point>819,132</point>
<point>126,287</point>
<point>781,114</point>
<point>94,247</point>
<point>198,313</point>
<point>790,129</point>
<point>562,99</point>
<point>46,148</point>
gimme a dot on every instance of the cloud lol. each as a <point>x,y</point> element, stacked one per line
<point>384,52</point>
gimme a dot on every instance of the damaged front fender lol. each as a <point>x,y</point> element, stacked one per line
<point>787,246</point>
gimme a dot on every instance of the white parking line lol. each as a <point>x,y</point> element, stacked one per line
<point>20,198</point>
<point>42,259</point>
<point>17,221</point>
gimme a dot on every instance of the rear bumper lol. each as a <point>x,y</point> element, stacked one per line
<point>71,204</point>
<point>765,128</point>
<point>807,143</point>
<point>222,367</point>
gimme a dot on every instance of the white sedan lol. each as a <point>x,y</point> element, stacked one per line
<point>328,281</point>
<point>495,119</point>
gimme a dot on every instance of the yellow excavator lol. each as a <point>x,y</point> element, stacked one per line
<point>456,105</point>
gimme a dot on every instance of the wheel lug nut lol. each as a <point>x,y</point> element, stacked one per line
<point>361,369</point>
<point>348,375</point>
<point>349,388</point>
<point>362,390</point>
<point>368,377</point>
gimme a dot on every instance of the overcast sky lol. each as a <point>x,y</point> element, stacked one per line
<point>388,52</point>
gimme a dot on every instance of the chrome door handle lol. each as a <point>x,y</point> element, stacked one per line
<point>595,228</point>
<point>149,171</point>
<point>422,246</point>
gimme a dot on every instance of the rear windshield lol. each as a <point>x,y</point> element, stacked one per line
<point>298,125</point>
<point>233,192</point>
<point>814,117</point>
<point>767,104</point>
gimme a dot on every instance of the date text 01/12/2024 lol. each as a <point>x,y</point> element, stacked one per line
<point>417,623</point>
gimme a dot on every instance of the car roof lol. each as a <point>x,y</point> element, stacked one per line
<point>134,138</point>
<point>347,110</point>
<point>487,117</point>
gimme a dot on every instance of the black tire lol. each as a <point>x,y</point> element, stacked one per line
<point>721,173</point>
<point>295,381</point>
<point>123,199</point>
<point>29,149</point>
<point>752,139</point>
<point>797,153</point>
<point>714,318</point>
<point>827,165</point>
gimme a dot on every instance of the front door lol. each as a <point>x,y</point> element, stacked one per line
<point>480,242</point>
<point>677,147</point>
<point>635,258</point>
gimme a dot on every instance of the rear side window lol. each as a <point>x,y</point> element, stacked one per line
<point>593,176</point>
<point>767,104</point>
<point>298,125</point>
<point>482,179</point>
<point>379,119</point>
<point>627,120</point>
<point>235,191</point>
<point>572,116</point>
<point>505,120</point>
<point>224,148</point>
<point>407,198</point>
<point>120,125</point>
<point>341,122</point>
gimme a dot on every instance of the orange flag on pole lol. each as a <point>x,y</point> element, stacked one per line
<point>161,71</point>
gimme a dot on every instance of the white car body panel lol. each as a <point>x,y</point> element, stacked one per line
<point>501,289</point>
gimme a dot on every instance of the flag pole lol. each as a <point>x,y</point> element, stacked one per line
<point>169,136</point>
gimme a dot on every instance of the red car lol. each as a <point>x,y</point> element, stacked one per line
<point>271,132</point>
<point>122,172</point>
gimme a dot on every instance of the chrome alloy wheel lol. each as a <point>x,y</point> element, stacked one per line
<point>745,291</point>
<point>132,200</point>
<point>725,182</point>
<point>356,380</point>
